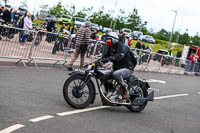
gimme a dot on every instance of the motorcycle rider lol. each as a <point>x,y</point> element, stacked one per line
<point>123,67</point>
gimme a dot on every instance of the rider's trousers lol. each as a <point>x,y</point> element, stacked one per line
<point>121,74</point>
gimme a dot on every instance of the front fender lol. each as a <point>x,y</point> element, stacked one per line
<point>74,73</point>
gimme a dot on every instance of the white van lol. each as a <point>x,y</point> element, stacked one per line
<point>126,31</point>
<point>79,21</point>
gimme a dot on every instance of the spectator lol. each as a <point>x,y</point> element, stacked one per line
<point>178,56</point>
<point>73,31</point>
<point>11,15</point>
<point>170,52</point>
<point>1,11</point>
<point>197,66</point>
<point>122,38</point>
<point>51,26</point>
<point>105,48</point>
<point>62,28</point>
<point>21,23</point>
<point>143,46</point>
<point>129,41</point>
<point>150,49</point>
<point>81,42</point>
<point>6,16</point>
<point>27,27</point>
<point>16,18</point>
<point>93,36</point>
<point>191,60</point>
<point>138,46</point>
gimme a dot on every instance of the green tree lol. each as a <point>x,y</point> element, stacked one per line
<point>162,35</point>
<point>134,20</point>
<point>184,38</point>
<point>120,21</point>
<point>24,4</point>
<point>196,40</point>
<point>101,18</point>
<point>57,10</point>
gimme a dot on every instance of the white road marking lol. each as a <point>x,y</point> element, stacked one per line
<point>41,118</point>
<point>156,81</point>
<point>198,92</point>
<point>170,96</point>
<point>17,126</point>
<point>81,110</point>
<point>12,128</point>
<point>154,89</point>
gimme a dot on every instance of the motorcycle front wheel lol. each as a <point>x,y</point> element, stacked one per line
<point>76,96</point>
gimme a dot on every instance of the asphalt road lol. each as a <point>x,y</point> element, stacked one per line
<point>30,93</point>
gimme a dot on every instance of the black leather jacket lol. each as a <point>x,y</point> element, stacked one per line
<point>118,54</point>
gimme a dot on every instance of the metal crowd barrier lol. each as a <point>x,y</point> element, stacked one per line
<point>10,45</point>
<point>49,46</point>
<point>59,48</point>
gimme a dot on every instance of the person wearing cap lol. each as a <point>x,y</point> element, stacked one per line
<point>81,42</point>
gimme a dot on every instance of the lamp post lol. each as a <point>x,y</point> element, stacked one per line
<point>113,14</point>
<point>170,40</point>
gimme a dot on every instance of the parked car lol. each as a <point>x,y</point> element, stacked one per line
<point>167,59</point>
<point>50,17</point>
<point>127,32</point>
<point>79,21</point>
<point>66,19</point>
<point>159,54</point>
<point>22,11</point>
<point>107,29</point>
<point>137,35</point>
<point>149,39</point>
<point>94,26</point>
<point>116,31</point>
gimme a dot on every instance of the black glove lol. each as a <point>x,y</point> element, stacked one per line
<point>104,60</point>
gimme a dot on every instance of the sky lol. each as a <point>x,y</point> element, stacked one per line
<point>158,13</point>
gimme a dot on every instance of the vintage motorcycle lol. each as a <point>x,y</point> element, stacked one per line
<point>79,90</point>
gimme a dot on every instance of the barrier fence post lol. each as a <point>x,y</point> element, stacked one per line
<point>67,49</point>
<point>32,46</point>
<point>94,51</point>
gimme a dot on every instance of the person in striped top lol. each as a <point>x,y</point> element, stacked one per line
<point>81,42</point>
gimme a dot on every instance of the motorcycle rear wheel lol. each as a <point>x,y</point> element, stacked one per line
<point>142,91</point>
<point>73,95</point>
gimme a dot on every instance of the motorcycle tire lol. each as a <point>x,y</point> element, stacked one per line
<point>10,36</point>
<point>143,88</point>
<point>38,40</point>
<point>69,100</point>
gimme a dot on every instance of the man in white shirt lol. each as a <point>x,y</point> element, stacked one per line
<point>27,27</point>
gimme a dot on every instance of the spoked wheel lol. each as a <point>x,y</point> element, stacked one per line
<point>75,95</point>
<point>140,91</point>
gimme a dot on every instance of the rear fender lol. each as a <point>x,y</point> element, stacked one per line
<point>133,78</point>
<point>74,73</point>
